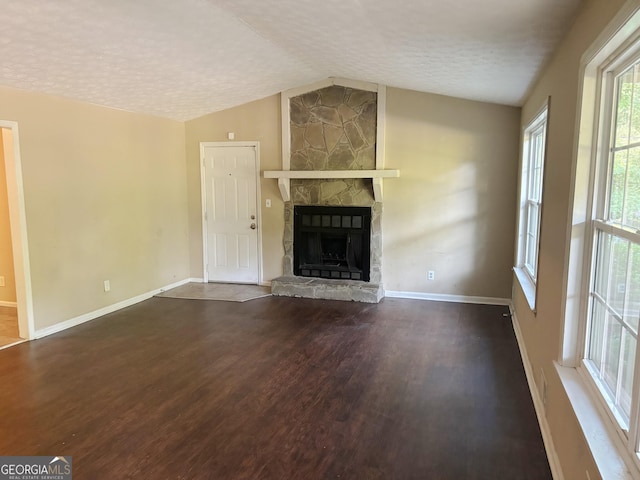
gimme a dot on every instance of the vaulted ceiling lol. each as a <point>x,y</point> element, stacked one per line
<point>185,58</point>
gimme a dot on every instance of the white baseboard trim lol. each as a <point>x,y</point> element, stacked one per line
<point>441,297</point>
<point>58,327</point>
<point>8,304</point>
<point>196,280</point>
<point>552,455</point>
<point>17,342</point>
<point>265,284</point>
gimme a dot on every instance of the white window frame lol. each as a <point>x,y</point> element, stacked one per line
<point>606,441</point>
<point>531,187</point>
<point>628,432</point>
<point>613,447</point>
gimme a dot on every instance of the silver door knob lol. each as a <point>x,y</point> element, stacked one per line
<point>253,226</point>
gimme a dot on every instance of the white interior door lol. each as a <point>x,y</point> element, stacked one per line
<point>229,177</point>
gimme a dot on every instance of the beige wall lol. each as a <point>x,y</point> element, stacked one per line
<point>453,208</point>
<point>105,196</point>
<point>542,331</point>
<point>8,292</point>
<point>255,121</point>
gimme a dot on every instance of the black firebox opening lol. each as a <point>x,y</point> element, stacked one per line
<point>332,242</point>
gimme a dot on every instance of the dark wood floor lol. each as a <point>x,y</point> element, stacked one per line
<point>277,388</point>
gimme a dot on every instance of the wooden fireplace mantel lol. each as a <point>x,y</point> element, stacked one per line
<point>284,178</point>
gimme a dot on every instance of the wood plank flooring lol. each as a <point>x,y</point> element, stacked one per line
<point>277,388</point>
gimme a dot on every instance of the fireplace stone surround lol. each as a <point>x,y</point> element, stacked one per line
<point>332,128</point>
<point>326,288</point>
<point>351,290</point>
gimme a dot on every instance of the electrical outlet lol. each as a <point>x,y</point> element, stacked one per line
<point>2,284</point>
<point>431,275</point>
<point>107,285</point>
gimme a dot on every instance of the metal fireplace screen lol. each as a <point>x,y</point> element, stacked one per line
<point>332,242</point>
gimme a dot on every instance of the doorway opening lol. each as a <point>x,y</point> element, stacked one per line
<point>9,330</point>
<point>17,299</point>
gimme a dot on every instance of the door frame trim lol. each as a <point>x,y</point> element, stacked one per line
<point>19,241</point>
<point>203,196</point>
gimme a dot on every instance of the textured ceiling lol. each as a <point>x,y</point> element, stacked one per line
<point>186,58</point>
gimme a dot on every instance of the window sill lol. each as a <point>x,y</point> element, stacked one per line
<point>606,448</point>
<point>528,287</point>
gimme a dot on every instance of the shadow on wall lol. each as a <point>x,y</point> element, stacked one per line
<point>453,208</point>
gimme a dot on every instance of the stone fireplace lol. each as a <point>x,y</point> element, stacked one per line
<point>334,130</point>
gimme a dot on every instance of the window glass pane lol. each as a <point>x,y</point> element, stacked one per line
<point>631,212</point>
<point>616,194</point>
<point>624,195</point>
<point>536,192</point>
<point>597,334</point>
<point>634,129</point>
<point>626,384</point>
<point>535,168</point>
<point>611,270</point>
<point>532,220</point>
<point>613,341</point>
<point>531,247</point>
<point>618,273</point>
<point>531,168</point>
<point>530,262</point>
<point>632,307</point>
<point>602,264</point>
<point>623,115</point>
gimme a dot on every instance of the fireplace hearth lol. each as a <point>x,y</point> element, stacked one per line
<point>332,242</point>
